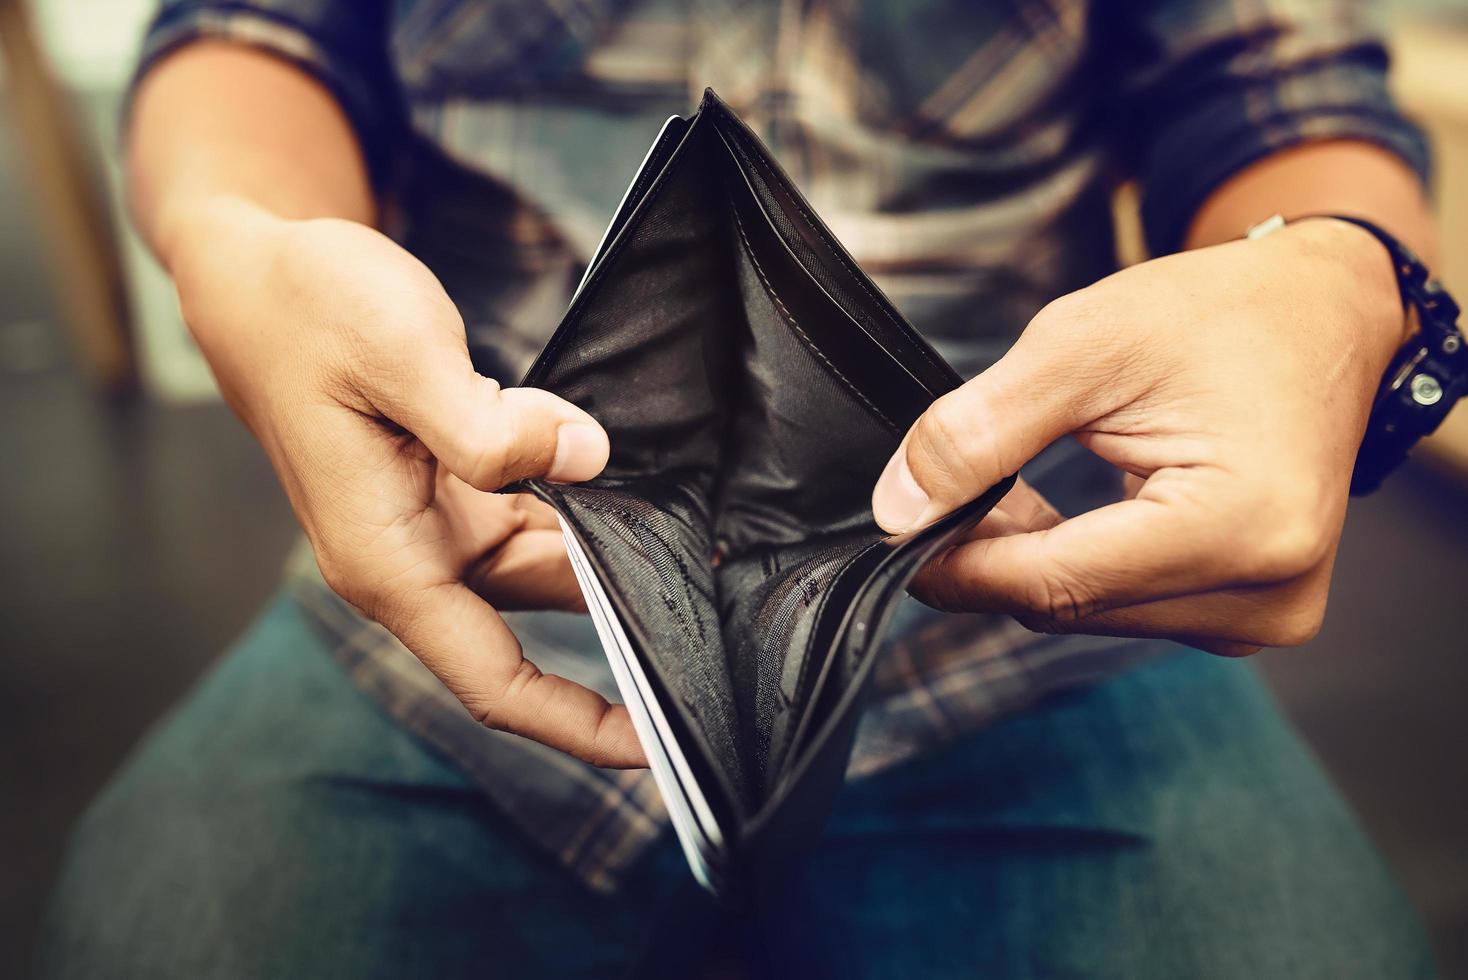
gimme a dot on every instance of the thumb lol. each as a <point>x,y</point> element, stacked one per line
<point>485,435</point>
<point>973,437</point>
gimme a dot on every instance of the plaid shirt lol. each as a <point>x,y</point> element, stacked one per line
<point>964,153</point>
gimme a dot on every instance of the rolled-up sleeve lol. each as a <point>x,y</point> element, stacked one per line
<point>342,43</point>
<point>1207,88</point>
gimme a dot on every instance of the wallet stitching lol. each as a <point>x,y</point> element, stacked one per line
<point>790,321</point>
<point>836,250</point>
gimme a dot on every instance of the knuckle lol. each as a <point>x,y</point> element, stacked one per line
<point>1293,548</point>
<point>343,576</point>
<point>1058,600</point>
<point>1288,525</point>
<point>945,424</point>
<point>1295,627</point>
<point>489,463</point>
<point>1292,618</point>
<point>953,448</point>
<point>1039,624</point>
<point>937,587</point>
<point>1064,309</point>
<point>942,432</point>
<point>598,750</point>
<point>493,452</point>
<point>941,596</point>
<point>493,710</point>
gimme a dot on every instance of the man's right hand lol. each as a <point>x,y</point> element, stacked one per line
<point>347,360</point>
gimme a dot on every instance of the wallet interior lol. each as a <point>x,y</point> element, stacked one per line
<point>753,383</point>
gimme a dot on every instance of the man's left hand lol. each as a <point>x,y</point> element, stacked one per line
<point>1231,383</point>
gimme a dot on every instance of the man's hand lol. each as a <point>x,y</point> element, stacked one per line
<point>347,360</point>
<point>1231,383</point>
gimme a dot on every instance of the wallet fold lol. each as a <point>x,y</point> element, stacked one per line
<point>753,383</point>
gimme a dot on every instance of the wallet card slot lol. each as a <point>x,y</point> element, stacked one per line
<point>871,372</point>
<point>642,549</point>
<point>818,254</point>
<point>874,592</point>
<point>693,820</point>
<point>778,598</point>
<point>819,479</point>
<point>643,197</point>
<point>847,640</point>
<point>803,669</point>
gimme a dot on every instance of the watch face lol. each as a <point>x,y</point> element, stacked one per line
<point>1425,379</point>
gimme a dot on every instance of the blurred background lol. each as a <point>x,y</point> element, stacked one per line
<point>142,527</point>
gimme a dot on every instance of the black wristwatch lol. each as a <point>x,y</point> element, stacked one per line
<point>1426,377</point>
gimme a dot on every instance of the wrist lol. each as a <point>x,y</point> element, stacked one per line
<point>208,244</point>
<point>186,231</point>
<point>1366,275</point>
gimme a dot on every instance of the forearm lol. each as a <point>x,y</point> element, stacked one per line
<point>220,125</point>
<point>1342,176</point>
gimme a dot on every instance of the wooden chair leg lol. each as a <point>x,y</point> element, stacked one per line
<point>76,230</point>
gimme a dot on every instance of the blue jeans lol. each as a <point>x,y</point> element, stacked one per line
<point>1165,823</point>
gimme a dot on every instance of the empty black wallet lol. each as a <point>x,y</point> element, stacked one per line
<point>753,382</point>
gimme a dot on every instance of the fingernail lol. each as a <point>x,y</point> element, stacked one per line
<point>898,501</point>
<point>581,452</point>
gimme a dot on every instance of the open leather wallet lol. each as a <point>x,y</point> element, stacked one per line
<point>753,382</point>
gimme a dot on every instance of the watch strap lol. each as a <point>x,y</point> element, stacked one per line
<point>1424,379</point>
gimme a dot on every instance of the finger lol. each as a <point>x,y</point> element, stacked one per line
<point>1233,622</point>
<point>479,521</point>
<point>1139,554</point>
<point>1100,560</point>
<point>538,514</point>
<point>977,435</point>
<point>530,571</point>
<point>392,554</point>
<point>469,647</point>
<point>482,521</point>
<point>1223,623</point>
<point>510,547</point>
<point>485,435</point>
<point>1022,509</point>
<point>1159,545</point>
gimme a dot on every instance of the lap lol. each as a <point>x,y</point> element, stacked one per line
<point>278,825</point>
<point>1164,823</point>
